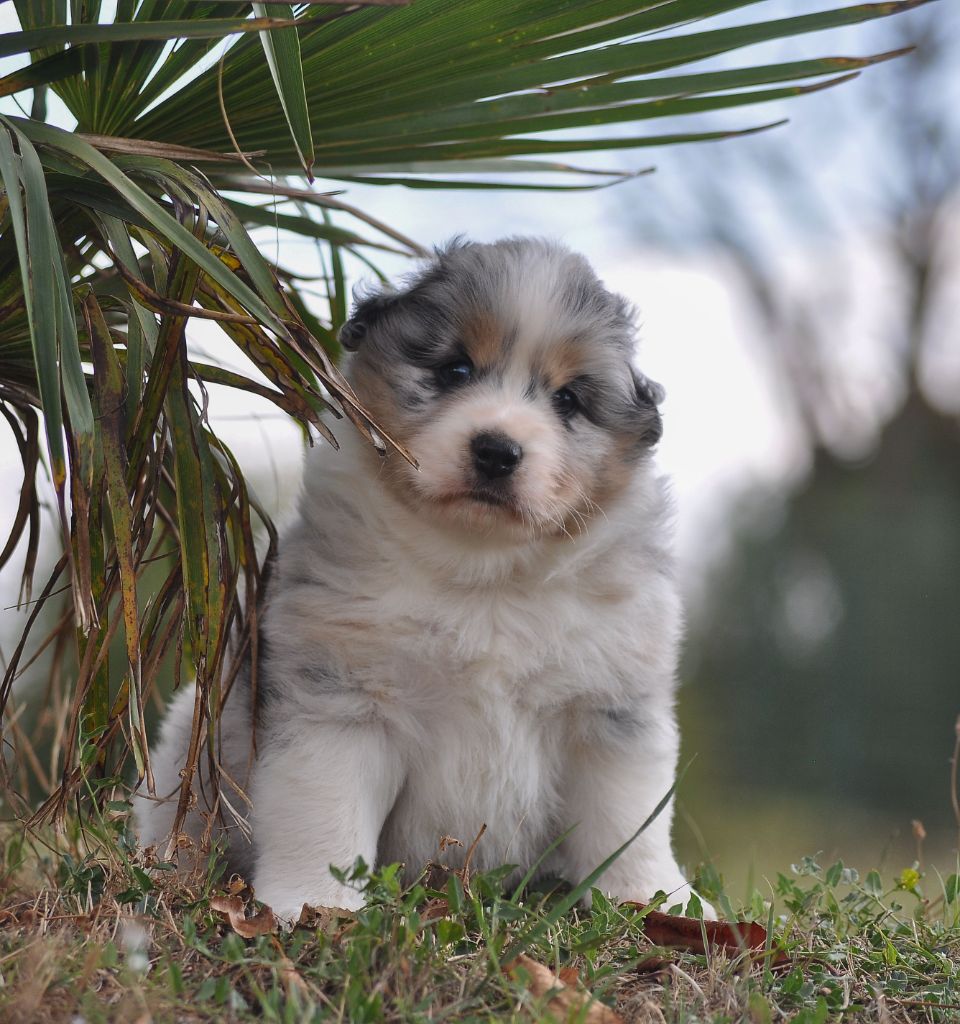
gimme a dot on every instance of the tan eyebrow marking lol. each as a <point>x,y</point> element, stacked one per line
<point>484,338</point>
<point>560,363</point>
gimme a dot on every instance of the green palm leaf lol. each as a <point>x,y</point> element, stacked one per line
<point>282,50</point>
<point>439,82</point>
<point>56,35</point>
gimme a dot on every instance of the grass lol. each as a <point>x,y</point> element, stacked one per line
<point>92,931</point>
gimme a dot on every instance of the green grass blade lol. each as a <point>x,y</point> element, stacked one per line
<point>25,427</point>
<point>491,166</point>
<point>73,380</point>
<point>95,709</point>
<point>337,293</point>
<point>134,363</point>
<point>198,500</point>
<point>529,936</point>
<point>610,104</point>
<point>537,67</point>
<point>199,190</point>
<point>452,184</point>
<point>392,73</point>
<point>56,352</point>
<point>521,146</point>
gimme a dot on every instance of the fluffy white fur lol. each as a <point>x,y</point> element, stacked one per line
<point>435,664</point>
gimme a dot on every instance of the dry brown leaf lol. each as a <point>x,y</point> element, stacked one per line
<point>435,908</point>
<point>569,975</point>
<point>262,923</point>
<point>689,933</point>
<point>288,970</point>
<point>238,886</point>
<point>653,965</point>
<point>332,921</point>
<point>565,1000</point>
<point>19,917</point>
<point>224,904</point>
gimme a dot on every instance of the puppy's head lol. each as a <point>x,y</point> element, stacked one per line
<point>505,370</point>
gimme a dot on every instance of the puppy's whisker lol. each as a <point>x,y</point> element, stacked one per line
<point>559,519</point>
<point>592,504</point>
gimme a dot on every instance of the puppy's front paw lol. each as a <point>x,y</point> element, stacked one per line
<point>288,904</point>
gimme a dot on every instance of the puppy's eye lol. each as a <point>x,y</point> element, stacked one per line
<point>565,402</point>
<point>452,375</point>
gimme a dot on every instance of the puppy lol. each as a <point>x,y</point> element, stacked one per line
<point>489,640</point>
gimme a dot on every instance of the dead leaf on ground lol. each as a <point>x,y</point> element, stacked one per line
<point>569,975</point>
<point>436,908</point>
<point>333,921</point>
<point>653,965</point>
<point>288,970</point>
<point>689,933</point>
<point>232,907</point>
<point>239,886</point>
<point>24,915</point>
<point>565,999</point>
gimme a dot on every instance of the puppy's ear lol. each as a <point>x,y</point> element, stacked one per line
<point>648,395</point>
<point>649,392</point>
<point>369,310</point>
<point>365,315</point>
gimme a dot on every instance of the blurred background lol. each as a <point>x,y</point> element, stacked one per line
<point>798,294</point>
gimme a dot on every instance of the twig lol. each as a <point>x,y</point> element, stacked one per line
<point>465,870</point>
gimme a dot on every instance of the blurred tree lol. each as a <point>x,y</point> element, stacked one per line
<point>825,658</point>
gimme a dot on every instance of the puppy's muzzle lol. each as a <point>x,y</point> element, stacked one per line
<point>495,455</point>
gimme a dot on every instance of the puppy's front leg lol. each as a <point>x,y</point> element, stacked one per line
<point>321,794</point>
<point>614,783</point>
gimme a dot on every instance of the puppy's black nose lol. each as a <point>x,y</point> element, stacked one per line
<point>495,455</point>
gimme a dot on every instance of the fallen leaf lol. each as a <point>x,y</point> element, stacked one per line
<point>688,933</point>
<point>288,970</point>
<point>565,999</point>
<point>232,907</point>
<point>331,921</point>
<point>653,965</point>
<point>435,908</point>
<point>19,917</point>
<point>569,975</point>
<point>237,886</point>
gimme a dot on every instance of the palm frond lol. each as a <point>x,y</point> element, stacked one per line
<point>441,82</point>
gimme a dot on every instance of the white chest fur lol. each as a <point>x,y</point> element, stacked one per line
<point>490,679</point>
